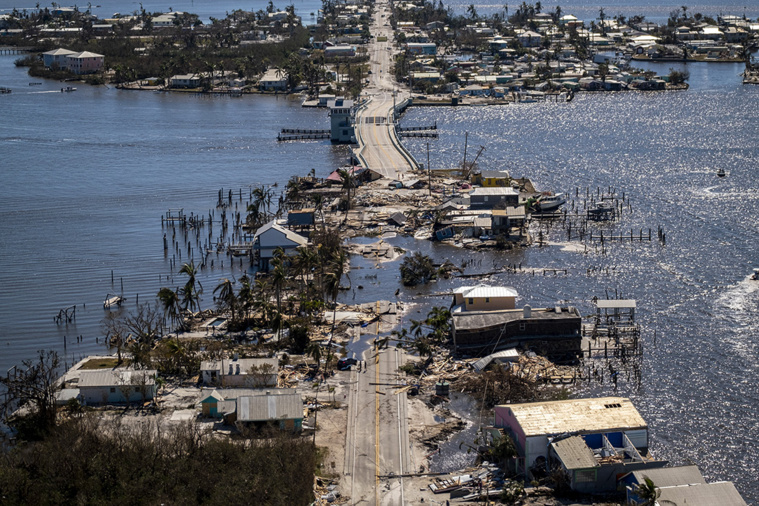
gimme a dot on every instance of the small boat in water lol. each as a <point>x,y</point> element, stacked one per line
<point>721,173</point>
<point>112,300</point>
<point>755,275</point>
<point>68,89</point>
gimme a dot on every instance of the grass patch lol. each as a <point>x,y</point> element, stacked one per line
<point>100,363</point>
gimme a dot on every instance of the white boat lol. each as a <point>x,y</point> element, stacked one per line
<point>550,202</point>
<point>68,89</point>
<point>112,301</point>
<point>755,275</point>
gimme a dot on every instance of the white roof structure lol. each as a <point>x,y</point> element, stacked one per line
<point>267,407</point>
<point>86,54</point>
<point>506,190</point>
<point>116,377</point>
<point>59,52</point>
<point>289,234</point>
<point>577,415</point>
<point>486,291</point>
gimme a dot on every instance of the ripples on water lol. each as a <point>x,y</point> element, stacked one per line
<point>699,388</point>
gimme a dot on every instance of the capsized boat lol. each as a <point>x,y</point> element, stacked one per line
<point>112,300</point>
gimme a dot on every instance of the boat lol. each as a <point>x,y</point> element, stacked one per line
<point>5,90</point>
<point>755,275</point>
<point>35,84</point>
<point>112,300</point>
<point>68,89</point>
<point>721,173</point>
<point>549,202</point>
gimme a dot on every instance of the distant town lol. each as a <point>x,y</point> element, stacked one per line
<point>271,388</point>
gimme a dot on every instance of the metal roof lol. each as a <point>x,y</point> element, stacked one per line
<point>670,476</point>
<point>722,493</point>
<point>487,291</point>
<point>576,415</point>
<point>469,320</point>
<point>510,355</point>
<point>268,406</point>
<point>118,377</point>
<point>507,190</point>
<point>575,454</point>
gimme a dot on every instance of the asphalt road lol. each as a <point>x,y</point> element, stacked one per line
<point>377,444</point>
<point>375,123</point>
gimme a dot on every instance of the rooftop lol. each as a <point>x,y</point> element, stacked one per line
<point>575,453</point>
<point>671,476</point>
<point>577,415</point>
<point>268,406</point>
<point>470,320</point>
<point>486,291</point>
<point>116,377</point>
<point>722,493</point>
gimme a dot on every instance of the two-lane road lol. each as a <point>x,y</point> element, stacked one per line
<point>377,442</point>
<point>375,122</point>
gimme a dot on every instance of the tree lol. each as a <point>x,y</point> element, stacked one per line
<point>171,305</point>
<point>192,290</point>
<point>417,269</point>
<point>134,331</point>
<point>227,299</point>
<point>32,386</point>
<point>647,491</point>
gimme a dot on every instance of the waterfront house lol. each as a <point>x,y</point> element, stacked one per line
<point>484,298</point>
<point>273,80</point>
<point>492,178</point>
<point>552,332</point>
<point>592,462</point>
<point>721,493</point>
<point>663,477</point>
<point>117,386</point>
<point>84,62</point>
<point>240,372</point>
<point>185,81</point>
<point>271,236</point>
<point>503,220</point>
<point>488,198</point>
<point>56,58</point>
<point>534,426</point>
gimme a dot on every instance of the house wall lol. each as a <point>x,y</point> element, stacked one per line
<point>489,303</point>
<point>490,201</point>
<point>116,394</point>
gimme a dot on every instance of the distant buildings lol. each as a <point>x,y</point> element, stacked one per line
<point>84,62</point>
<point>240,372</point>
<point>273,80</point>
<point>119,386</point>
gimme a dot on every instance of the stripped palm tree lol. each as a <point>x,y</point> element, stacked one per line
<point>171,304</point>
<point>192,289</point>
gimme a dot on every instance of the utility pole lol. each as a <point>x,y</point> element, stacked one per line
<point>429,169</point>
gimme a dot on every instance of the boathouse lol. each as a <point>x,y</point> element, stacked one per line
<point>609,426</point>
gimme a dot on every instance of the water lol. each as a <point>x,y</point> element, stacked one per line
<point>654,11</point>
<point>87,175</point>
<point>205,10</point>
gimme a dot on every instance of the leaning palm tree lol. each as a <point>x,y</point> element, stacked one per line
<point>648,491</point>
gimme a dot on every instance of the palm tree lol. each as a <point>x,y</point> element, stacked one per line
<point>647,491</point>
<point>170,302</point>
<point>279,275</point>
<point>346,176</point>
<point>314,350</point>
<point>227,299</point>
<point>192,290</point>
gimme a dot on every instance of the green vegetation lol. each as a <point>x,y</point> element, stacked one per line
<point>88,460</point>
<point>417,269</point>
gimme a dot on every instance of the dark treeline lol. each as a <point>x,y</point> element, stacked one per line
<point>89,460</point>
